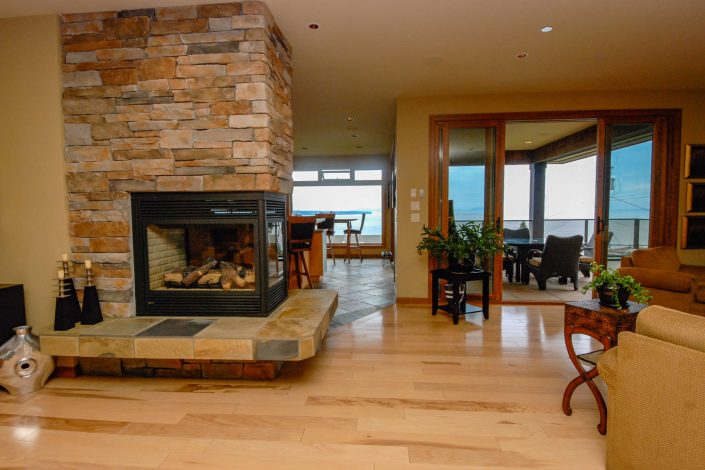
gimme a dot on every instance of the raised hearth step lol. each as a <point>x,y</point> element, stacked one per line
<point>293,332</point>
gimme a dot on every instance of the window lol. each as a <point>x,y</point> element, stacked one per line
<point>347,192</point>
<point>336,174</point>
<point>368,175</point>
<point>305,175</point>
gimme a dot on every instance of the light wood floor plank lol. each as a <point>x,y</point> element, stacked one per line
<point>399,389</point>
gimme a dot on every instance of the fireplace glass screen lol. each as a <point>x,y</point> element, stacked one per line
<point>203,256</point>
<point>275,251</point>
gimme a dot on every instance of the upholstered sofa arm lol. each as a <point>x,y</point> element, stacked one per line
<point>697,271</point>
<point>660,279</point>
<point>655,405</point>
<point>672,326</point>
<point>626,261</point>
<point>607,366</point>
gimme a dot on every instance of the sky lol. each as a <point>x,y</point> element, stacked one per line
<point>570,188</point>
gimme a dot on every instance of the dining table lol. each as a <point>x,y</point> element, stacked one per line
<point>523,245</point>
<point>348,221</point>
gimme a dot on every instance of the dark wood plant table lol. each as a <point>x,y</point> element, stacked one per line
<point>588,317</point>
<point>457,306</point>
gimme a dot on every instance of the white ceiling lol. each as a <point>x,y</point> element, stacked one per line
<point>369,52</point>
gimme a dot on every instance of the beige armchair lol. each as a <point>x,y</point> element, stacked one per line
<point>656,384</point>
<point>671,284</point>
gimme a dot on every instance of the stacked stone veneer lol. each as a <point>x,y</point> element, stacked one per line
<point>168,99</point>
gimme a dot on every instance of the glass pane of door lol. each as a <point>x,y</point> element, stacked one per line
<point>471,170</point>
<point>627,207</point>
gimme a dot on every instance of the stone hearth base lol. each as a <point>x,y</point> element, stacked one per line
<point>173,368</point>
<point>208,347</point>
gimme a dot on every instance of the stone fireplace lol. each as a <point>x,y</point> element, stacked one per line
<point>192,99</point>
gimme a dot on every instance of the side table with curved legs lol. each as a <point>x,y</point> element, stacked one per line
<point>588,317</point>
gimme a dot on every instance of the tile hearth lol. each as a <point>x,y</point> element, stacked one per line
<point>292,332</point>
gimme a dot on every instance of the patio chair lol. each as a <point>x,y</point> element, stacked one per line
<point>510,254</point>
<point>558,259</point>
<point>588,255</point>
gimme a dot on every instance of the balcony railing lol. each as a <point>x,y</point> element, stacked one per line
<point>628,234</point>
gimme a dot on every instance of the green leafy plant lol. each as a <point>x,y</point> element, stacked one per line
<point>462,244</point>
<point>610,283</point>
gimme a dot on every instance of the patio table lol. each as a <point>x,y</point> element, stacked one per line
<point>523,245</point>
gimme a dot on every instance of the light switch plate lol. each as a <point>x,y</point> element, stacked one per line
<point>422,192</point>
<point>416,216</point>
<point>415,206</point>
<point>413,192</point>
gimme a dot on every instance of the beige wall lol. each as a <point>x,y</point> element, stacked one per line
<point>33,209</point>
<point>412,130</point>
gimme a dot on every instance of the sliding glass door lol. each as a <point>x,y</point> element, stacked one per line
<point>633,158</point>
<point>468,169</point>
<point>625,178</point>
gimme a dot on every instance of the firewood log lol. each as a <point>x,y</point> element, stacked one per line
<point>196,275</point>
<point>231,276</point>
<point>173,278</point>
<point>211,279</point>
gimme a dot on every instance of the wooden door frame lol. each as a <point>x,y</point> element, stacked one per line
<point>665,176</point>
<point>441,193</point>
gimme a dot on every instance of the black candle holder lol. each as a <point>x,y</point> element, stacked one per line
<point>75,310</point>
<point>91,307</point>
<point>64,310</point>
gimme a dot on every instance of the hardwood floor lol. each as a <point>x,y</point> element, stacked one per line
<point>395,390</point>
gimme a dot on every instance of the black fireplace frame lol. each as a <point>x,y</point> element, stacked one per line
<point>255,207</point>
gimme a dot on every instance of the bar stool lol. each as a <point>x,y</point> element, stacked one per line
<point>329,226</point>
<point>300,238</point>
<point>357,232</point>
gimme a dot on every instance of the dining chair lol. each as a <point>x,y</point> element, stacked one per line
<point>559,258</point>
<point>329,226</point>
<point>357,232</point>
<point>299,242</point>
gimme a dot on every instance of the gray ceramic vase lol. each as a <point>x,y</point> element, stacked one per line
<point>23,368</point>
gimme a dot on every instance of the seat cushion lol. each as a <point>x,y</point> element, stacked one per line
<point>536,262</point>
<point>660,257</point>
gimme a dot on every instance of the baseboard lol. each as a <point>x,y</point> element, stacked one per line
<point>413,301</point>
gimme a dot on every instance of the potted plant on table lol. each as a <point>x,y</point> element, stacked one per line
<point>462,245</point>
<point>614,289</point>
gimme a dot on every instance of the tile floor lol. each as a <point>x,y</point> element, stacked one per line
<point>555,292</point>
<point>363,288</point>
<point>366,287</point>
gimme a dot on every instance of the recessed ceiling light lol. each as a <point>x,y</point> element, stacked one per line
<point>313,26</point>
<point>522,55</point>
<point>359,147</point>
<point>304,148</point>
<point>527,142</point>
<point>547,29</point>
<point>350,119</point>
<point>355,136</point>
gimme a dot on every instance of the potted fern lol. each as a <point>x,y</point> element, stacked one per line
<point>613,289</point>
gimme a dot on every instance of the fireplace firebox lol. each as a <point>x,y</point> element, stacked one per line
<point>202,254</point>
